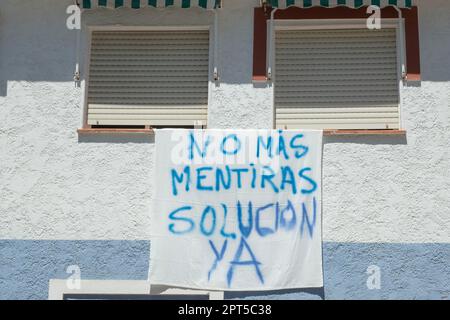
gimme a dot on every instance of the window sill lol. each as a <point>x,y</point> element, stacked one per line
<point>86,131</point>
<point>364,132</point>
<point>259,79</point>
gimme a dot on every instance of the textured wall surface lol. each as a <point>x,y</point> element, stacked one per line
<point>408,271</point>
<point>385,199</point>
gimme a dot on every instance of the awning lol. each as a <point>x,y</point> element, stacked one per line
<point>136,4</point>
<point>334,3</point>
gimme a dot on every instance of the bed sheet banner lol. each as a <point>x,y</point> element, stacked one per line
<point>237,209</point>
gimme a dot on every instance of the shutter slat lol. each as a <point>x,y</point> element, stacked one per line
<point>372,84</point>
<point>332,33</point>
<point>336,79</point>
<point>168,78</point>
<point>354,120</point>
<point>148,111</point>
<point>336,110</point>
<point>138,65</point>
<point>324,69</point>
<point>355,102</point>
<point>336,92</point>
<point>350,115</point>
<point>180,101</point>
<point>173,121</point>
<point>142,84</point>
<point>148,78</point>
<point>146,73</point>
<point>348,126</point>
<point>133,93</point>
<point>166,108</point>
<point>132,117</point>
<point>146,91</point>
<point>332,79</point>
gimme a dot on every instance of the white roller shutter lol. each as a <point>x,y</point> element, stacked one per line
<point>336,79</point>
<point>156,78</point>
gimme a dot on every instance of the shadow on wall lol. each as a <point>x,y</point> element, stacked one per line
<point>39,47</point>
<point>434,39</point>
<point>297,294</point>
<point>150,138</point>
<point>121,138</point>
<point>43,49</point>
<point>369,139</point>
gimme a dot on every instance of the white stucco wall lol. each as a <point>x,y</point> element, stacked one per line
<point>58,185</point>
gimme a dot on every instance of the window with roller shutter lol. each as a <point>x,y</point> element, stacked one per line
<point>148,78</point>
<point>337,79</point>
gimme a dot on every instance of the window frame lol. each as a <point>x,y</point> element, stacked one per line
<point>87,58</point>
<point>330,24</point>
<point>58,288</point>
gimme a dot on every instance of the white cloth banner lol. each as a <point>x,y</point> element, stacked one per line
<point>237,209</point>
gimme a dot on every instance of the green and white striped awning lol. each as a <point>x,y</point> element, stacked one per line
<point>137,4</point>
<point>334,3</point>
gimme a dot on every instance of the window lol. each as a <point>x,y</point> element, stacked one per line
<point>144,77</point>
<point>337,77</point>
<point>300,93</point>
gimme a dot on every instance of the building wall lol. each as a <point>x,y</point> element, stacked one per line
<point>81,200</point>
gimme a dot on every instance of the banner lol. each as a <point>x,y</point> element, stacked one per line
<point>237,210</point>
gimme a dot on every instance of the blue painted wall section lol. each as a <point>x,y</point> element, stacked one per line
<point>408,271</point>
<point>27,266</point>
